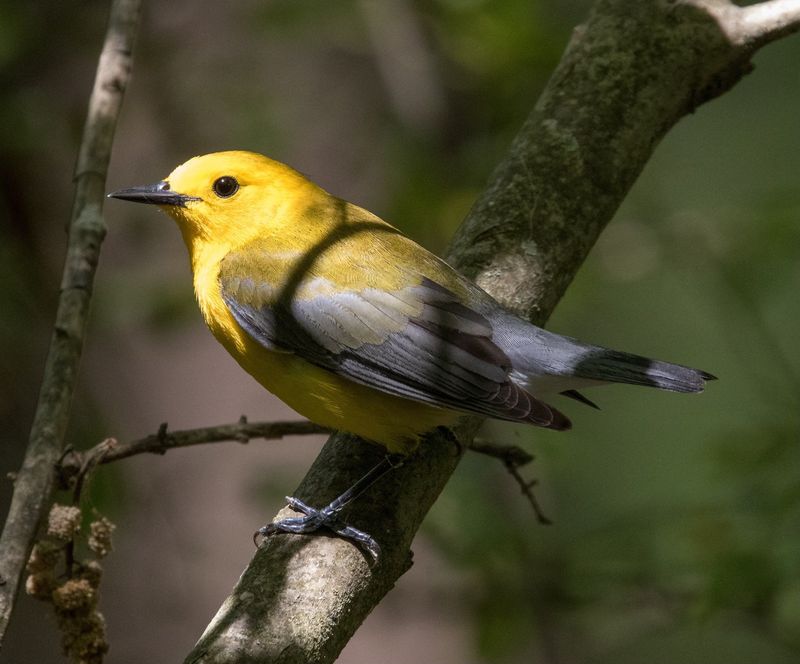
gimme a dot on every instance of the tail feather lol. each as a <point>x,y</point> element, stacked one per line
<point>617,367</point>
<point>574,394</point>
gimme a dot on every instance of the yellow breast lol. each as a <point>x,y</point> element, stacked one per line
<point>315,393</point>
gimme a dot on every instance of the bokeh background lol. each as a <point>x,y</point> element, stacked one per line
<point>677,518</point>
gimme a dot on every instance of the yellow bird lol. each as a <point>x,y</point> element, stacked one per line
<point>356,326</point>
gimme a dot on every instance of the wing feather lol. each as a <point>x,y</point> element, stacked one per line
<point>420,342</point>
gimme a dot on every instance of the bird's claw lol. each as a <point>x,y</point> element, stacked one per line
<point>315,519</point>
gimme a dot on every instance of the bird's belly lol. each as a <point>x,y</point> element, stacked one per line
<point>338,403</point>
<point>318,394</point>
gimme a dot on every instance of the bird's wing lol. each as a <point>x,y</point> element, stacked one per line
<point>418,342</point>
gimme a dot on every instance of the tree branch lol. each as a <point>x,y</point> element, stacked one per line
<point>510,455</point>
<point>628,75</point>
<point>759,24</point>
<point>75,462</point>
<point>513,459</point>
<point>78,463</point>
<point>34,482</point>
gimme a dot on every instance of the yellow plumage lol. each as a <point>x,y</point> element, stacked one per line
<point>279,215</point>
<point>356,326</point>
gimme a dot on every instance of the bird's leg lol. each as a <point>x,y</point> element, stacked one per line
<point>327,517</point>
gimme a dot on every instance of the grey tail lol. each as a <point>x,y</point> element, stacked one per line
<point>612,366</point>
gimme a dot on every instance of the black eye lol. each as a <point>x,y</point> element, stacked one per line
<point>226,186</point>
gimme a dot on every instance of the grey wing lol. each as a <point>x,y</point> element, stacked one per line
<point>419,343</point>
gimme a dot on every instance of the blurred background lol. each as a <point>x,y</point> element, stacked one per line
<point>676,534</point>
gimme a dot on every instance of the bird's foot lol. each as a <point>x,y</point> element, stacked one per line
<point>314,519</point>
<point>328,517</point>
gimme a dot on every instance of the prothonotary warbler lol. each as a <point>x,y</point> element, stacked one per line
<point>359,328</point>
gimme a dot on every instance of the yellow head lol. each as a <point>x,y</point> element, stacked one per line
<point>227,197</point>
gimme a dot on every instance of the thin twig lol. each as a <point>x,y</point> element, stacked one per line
<point>508,454</point>
<point>513,458</point>
<point>34,482</point>
<point>78,464</point>
<point>526,486</point>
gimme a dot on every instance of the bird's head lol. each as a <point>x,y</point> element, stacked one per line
<point>226,197</point>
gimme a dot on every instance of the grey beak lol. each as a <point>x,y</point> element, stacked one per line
<point>155,194</point>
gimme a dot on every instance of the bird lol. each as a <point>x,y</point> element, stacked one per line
<point>359,328</point>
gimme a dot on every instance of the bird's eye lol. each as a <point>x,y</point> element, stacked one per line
<point>226,186</point>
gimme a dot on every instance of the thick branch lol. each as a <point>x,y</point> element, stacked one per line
<point>629,73</point>
<point>34,481</point>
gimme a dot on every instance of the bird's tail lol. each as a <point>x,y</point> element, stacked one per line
<point>611,366</point>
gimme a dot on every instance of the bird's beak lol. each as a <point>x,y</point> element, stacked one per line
<point>155,194</point>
